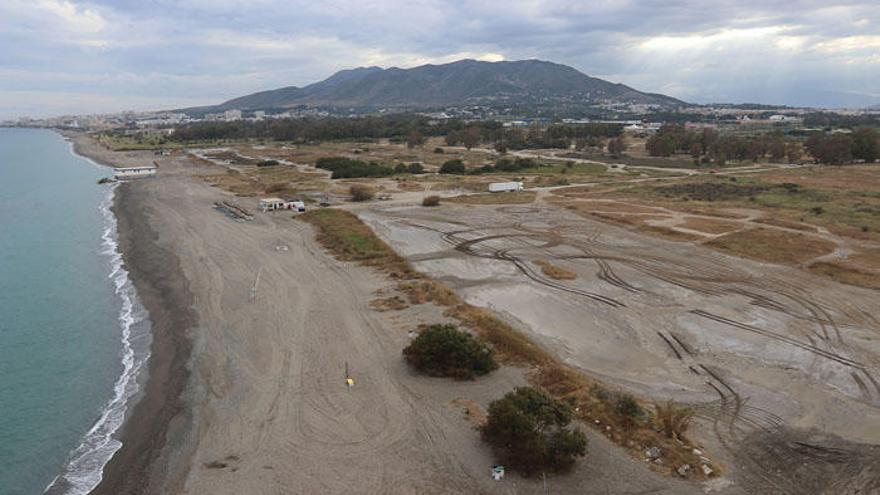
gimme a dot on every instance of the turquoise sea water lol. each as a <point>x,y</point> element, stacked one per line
<point>71,344</point>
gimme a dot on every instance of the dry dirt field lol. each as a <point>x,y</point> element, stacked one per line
<point>768,354</point>
<point>780,360</point>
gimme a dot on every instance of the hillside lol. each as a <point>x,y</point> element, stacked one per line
<point>465,82</point>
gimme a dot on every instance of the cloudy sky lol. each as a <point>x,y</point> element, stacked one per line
<point>72,56</point>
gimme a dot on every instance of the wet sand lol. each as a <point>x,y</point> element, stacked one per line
<point>164,291</point>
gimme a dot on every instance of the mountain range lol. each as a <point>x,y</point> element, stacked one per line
<point>465,82</point>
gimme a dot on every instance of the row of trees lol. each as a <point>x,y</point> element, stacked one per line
<point>863,144</point>
<point>411,129</point>
<point>835,149</point>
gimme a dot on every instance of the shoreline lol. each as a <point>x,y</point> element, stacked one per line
<point>164,292</point>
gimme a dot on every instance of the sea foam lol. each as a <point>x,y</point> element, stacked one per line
<point>84,469</point>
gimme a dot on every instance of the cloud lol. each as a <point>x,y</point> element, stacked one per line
<point>799,52</point>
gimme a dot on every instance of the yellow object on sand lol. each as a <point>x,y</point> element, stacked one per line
<point>349,382</point>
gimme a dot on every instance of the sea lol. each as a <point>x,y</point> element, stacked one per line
<point>74,339</point>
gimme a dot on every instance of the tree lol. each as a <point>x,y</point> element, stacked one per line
<point>453,138</point>
<point>453,167</point>
<point>696,151</point>
<point>660,145</point>
<point>616,146</point>
<point>471,137</point>
<point>444,350</point>
<point>527,429</point>
<point>777,150</point>
<point>832,149</point>
<point>866,144</point>
<point>415,138</point>
<point>793,152</point>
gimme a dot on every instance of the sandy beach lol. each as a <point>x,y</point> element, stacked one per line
<point>254,327</point>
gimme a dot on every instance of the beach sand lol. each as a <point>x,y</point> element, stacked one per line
<point>254,326</point>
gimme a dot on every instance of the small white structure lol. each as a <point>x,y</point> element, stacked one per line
<point>497,473</point>
<point>505,187</point>
<point>134,172</point>
<point>272,204</point>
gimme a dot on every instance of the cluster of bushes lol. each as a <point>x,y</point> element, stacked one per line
<point>501,165</point>
<point>453,167</point>
<point>529,430</point>
<point>268,163</point>
<point>444,350</point>
<point>412,168</point>
<point>345,168</point>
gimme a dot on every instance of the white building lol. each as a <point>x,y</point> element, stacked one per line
<point>272,204</point>
<point>231,115</point>
<point>134,172</point>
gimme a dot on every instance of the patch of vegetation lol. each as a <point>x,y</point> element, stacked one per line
<point>444,350</point>
<point>431,201</point>
<point>346,168</point>
<point>673,419</point>
<point>555,272</point>
<point>412,168</point>
<point>268,163</point>
<point>772,245</point>
<point>344,235</point>
<point>847,274</point>
<point>529,430</point>
<point>509,198</point>
<point>360,192</point>
<point>453,167</point>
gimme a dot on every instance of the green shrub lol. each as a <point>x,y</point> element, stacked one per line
<point>444,350</point>
<point>673,419</point>
<point>453,167</point>
<point>415,168</point>
<point>346,168</point>
<point>527,429</point>
<point>628,408</point>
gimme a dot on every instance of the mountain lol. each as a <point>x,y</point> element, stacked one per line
<point>461,83</point>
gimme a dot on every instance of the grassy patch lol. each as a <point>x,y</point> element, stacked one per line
<point>847,274</point>
<point>511,198</point>
<point>393,303</point>
<point>555,272</point>
<point>344,235</point>
<point>710,226</point>
<point>772,245</point>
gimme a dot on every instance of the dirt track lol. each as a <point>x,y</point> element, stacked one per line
<point>764,352</point>
<point>278,322</point>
